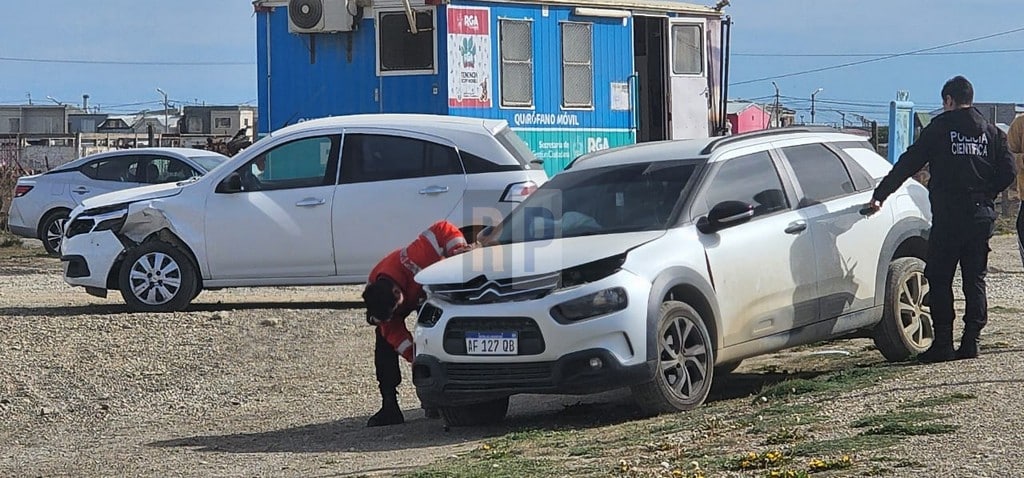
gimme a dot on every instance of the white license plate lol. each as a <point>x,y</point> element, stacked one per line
<point>492,343</point>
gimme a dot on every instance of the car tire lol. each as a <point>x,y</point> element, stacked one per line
<point>906,327</point>
<point>157,277</point>
<point>477,414</point>
<point>51,230</point>
<point>727,368</point>
<point>684,365</point>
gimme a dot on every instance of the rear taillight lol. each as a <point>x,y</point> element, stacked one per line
<point>517,192</point>
<point>21,190</point>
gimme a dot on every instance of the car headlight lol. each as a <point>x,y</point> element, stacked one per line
<point>591,305</point>
<point>592,271</point>
<point>110,218</point>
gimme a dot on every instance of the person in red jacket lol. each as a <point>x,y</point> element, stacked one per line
<point>391,294</point>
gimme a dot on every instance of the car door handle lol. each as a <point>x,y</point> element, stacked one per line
<point>796,227</point>
<point>81,190</point>
<point>434,190</point>
<point>311,202</point>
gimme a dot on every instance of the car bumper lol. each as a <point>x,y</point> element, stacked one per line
<point>440,384</point>
<point>554,357</point>
<point>88,258</point>
<point>17,224</point>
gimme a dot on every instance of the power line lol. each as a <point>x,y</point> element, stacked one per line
<point>871,60</point>
<point>132,63</point>
<point>852,55</point>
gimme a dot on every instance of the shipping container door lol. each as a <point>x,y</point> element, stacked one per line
<point>688,81</point>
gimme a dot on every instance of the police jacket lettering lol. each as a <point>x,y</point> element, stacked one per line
<point>966,155</point>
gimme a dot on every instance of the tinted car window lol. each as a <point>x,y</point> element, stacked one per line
<point>752,179</point>
<point>162,169</point>
<point>475,164</point>
<point>208,161</point>
<point>821,173</point>
<point>120,169</point>
<point>297,164</point>
<point>369,157</point>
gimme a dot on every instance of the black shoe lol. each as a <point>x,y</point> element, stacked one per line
<point>968,349</point>
<point>389,414</point>
<point>432,413</point>
<point>936,354</point>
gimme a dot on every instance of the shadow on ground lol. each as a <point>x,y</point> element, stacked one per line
<point>106,309</point>
<point>528,413</point>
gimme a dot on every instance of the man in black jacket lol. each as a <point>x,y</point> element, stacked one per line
<point>970,165</point>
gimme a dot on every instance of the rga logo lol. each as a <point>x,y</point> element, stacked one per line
<point>471,22</point>
<point>597,144</point>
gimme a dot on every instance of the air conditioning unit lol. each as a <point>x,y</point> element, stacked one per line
<point>320,16</point>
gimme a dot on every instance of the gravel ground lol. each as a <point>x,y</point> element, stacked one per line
<point>279,382</point>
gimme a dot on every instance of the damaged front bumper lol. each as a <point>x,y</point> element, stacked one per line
<point>92,247</point>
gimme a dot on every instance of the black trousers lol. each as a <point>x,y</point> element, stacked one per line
<point>959,236</point>
<point>385,359</point>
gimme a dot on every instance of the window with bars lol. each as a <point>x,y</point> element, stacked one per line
<point>687,49</point>
<point>577,65</point>
<point>516,37</point>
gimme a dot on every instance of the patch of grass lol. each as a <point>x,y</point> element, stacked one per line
<point>505,469</point>
<point>785,437</point>
<point>940,400</point>
<point>844,445</point>
<point>9,240</point>
<point>841,381</point>
<point>901,417</point>
<point>910,429</point>
<point>586,451</point>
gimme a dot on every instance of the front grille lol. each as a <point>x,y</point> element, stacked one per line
<point>486,376</point>
<point>480,290</point>
<point>531,341</point>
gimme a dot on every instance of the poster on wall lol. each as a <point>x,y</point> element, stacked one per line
<point>469,57</point>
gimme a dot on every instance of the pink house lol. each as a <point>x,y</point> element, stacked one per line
<point>746,117</point>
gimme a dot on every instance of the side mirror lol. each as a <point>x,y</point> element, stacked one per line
<point>230,184</point>
<point>725,214</point>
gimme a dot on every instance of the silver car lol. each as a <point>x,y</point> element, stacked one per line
<point>42,202</point>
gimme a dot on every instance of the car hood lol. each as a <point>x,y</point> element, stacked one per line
<point>142,193</point>
<point>531,258</point>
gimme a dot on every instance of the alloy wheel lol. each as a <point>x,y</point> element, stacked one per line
<point>683,361</point>
<point>915,316</point>
<point>155,278</point>
<point>55,233</point>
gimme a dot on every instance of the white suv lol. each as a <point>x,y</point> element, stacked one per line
<point>659,266</point>
<point>316,203</point>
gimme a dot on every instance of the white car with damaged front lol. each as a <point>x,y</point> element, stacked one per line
<point>659,266</point>
<point>317,203</point>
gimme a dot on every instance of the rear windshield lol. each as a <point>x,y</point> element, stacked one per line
<point>517,148</point>
<point>209,161</point>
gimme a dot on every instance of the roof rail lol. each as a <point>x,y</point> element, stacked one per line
<point>724,140</point>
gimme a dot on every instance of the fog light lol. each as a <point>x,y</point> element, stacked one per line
<point>596,363</point>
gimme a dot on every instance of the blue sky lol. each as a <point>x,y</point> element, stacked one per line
<point>223,31</point>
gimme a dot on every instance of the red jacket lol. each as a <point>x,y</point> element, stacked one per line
<point>441,240</point>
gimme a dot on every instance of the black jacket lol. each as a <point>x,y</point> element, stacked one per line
<point>967,156</point>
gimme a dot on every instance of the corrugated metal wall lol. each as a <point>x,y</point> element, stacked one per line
<point>557,134</point>
<point>334,74</point>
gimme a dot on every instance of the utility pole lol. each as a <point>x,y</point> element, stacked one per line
<point>843,115</point>
<point>819,90</point>
<point>775,111</point>
<point>158,90</point>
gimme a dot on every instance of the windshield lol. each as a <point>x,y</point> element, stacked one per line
<point>613,199</point>
<point>209,161</point>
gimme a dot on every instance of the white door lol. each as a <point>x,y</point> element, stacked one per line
<point>103,175</point>
<point>394,185</point>
<point>763,270</point>
<point>279,225</point>
<point>688,78</point>
<point>847,244</point>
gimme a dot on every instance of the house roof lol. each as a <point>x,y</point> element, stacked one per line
<point>737,107</point>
